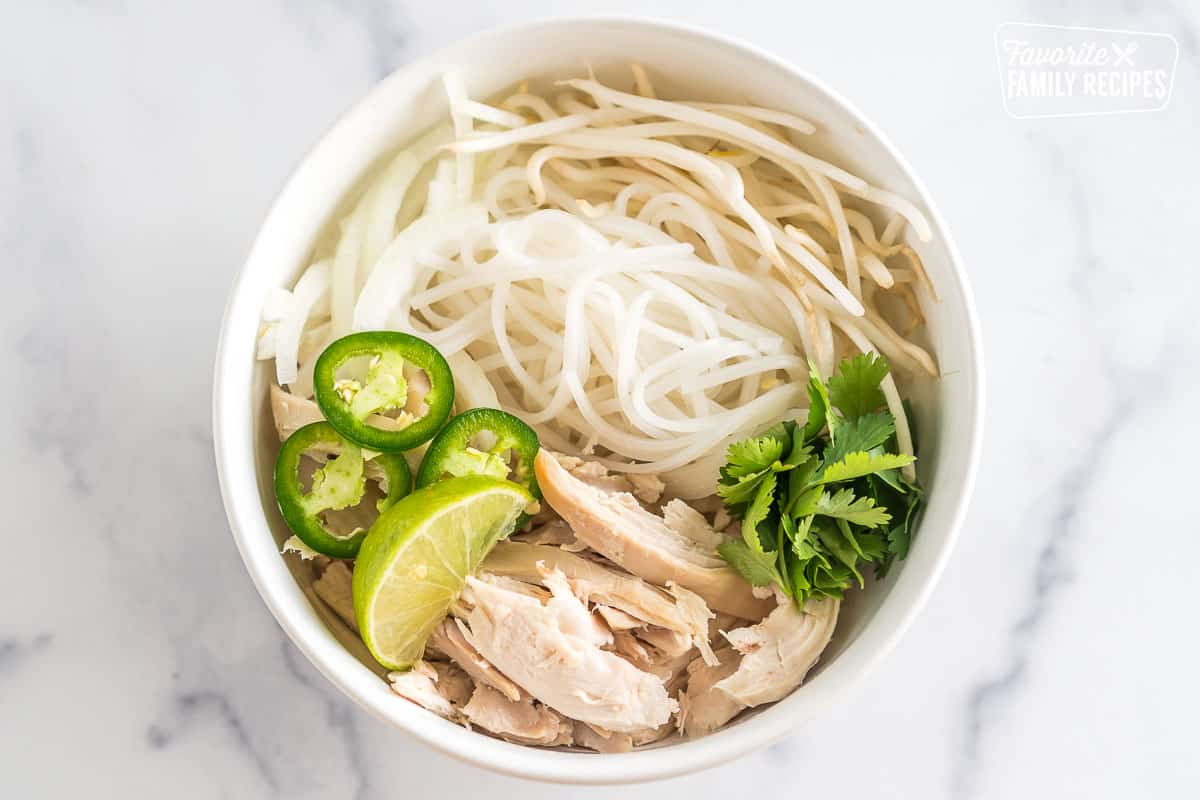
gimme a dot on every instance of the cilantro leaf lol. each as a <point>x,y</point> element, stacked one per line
<point>751,461</point>
<point>831,581</point>
<point>760,508</point>
<point>799,452</point>
<point>805,503</point>
<point>892,478</point>
<point>899,536</point>
<point>741,491</point>
<point>872,546</point>
<point>757,568</point>
<point>903,501</point>
<point>803,475</point>
<point>859,463</point>
<point>864,433</point>
<point>801,585</point>
<point>844,505</point>
<point>802,544</point>
<point>854,388</point>
<point>820,499</point>
<point>834,538</point>
<point>819,411</point>
<point>751,456</point>
<point>780,431</point>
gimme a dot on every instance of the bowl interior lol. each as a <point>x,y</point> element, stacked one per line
<point>683,63</point>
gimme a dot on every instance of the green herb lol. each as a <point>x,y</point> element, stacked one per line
<point>822,498</point>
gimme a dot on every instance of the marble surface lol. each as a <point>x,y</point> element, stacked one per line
<point>140,145</point>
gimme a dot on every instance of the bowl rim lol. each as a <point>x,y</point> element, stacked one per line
<point>288,604</point>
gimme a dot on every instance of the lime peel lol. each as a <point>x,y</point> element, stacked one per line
<point>416,558</point>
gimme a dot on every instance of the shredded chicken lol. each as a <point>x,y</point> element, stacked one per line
<point>334,589</point>
<point>627,646</point>
<point>554,533</point>
<point>703,709</point>
<point>449,639</point>
<point>651,735</point>
<point>420,685</point>
<point>573,616</point>
<point>618,620</point>
<point>779,651</point>
<point>594,631</point>
<point>617,526</point>
<point>452,683</point>
<point>522,721</point>
<point>764,663</point>
<point>669,643</point>
<point>601,585</point>
<point>292,412</point>
<point>602,741</point>
<point>646,487</point>
<point>526,640</point>
<point>418,388</point>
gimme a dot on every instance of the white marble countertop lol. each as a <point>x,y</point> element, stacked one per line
<point>140,145</point>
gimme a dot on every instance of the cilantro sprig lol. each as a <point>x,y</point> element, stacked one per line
<point>820,499</point>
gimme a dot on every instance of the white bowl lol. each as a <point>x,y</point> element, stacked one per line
<point>949,414</point>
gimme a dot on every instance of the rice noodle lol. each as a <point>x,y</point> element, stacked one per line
<point>643,278</point>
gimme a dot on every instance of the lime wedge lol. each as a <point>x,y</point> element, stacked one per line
<point>418,554</point>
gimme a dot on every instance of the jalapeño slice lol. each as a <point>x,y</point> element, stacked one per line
<point>351,406</point>
<point>337,484</point>
<point>451,453</point>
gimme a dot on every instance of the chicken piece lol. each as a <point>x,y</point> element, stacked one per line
<point>617,620</point>
<point>702,708</point>
<point>713,508</point>
<point>522,587</point>
<point>672,670</point>
<point>555,533</point>
<point>779,651</point>
<point>652,735</point>
<point>669,643</point>
<point>600,585</point>
<point>450,639</point>
<point>418,388</point>
<point>452,682</point>
<point>615,525</point>
<point>292,412</point>
<point>334,589</point>
<point>627,646</point>
<point>527,642</point>
<point>522,721</point>
<point>709,504</point>
<point>646,487</point>
<point>420,685</point>
<point>723,622</point>
<point>602,741</point>
<point>594,474</point>
<point>695,608</point>
<point>687,521</point>
<point>573,616</point>
<point>293,544</point>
